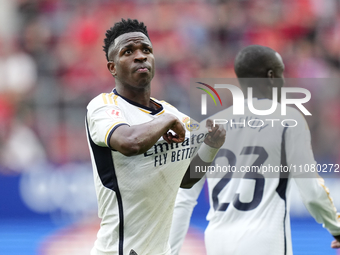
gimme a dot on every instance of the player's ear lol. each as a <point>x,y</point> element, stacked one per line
<point>270,75</point>
<point>112,68</point>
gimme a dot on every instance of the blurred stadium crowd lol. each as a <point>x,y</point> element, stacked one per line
<point>52,63</point>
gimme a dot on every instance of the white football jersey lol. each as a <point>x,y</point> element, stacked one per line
<point>136,194</point>
<point>249,207</point>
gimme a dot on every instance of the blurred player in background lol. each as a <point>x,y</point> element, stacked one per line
<point>140,150</point>
<point>250,215</point>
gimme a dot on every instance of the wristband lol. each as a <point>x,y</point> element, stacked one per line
<point>207,153</point>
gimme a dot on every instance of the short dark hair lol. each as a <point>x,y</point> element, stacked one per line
<point>255,61</point>
<point>122,27</point>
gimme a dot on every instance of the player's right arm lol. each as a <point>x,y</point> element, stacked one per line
<point>109,127</point>
<point>137,139</point>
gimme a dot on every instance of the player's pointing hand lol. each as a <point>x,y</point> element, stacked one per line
<point>216,135</point>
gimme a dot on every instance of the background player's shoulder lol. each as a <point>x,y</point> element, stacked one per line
<point>296,115</point>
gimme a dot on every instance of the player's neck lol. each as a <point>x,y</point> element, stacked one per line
<point>140,96</point>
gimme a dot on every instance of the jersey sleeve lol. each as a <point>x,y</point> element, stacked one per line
<point>315,195</point>
<point>185,202</point>
<point>298,143</point>
<point>103,119</point>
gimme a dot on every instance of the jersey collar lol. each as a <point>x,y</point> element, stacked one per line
<point>142,107</point>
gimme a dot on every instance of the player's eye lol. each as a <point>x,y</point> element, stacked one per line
<point>128,52</point>
<point>146,50</point>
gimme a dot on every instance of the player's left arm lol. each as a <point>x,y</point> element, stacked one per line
<point>315,195</point>
<point>206,153</point>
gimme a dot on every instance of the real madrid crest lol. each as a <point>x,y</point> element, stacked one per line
<point>191,124</point>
